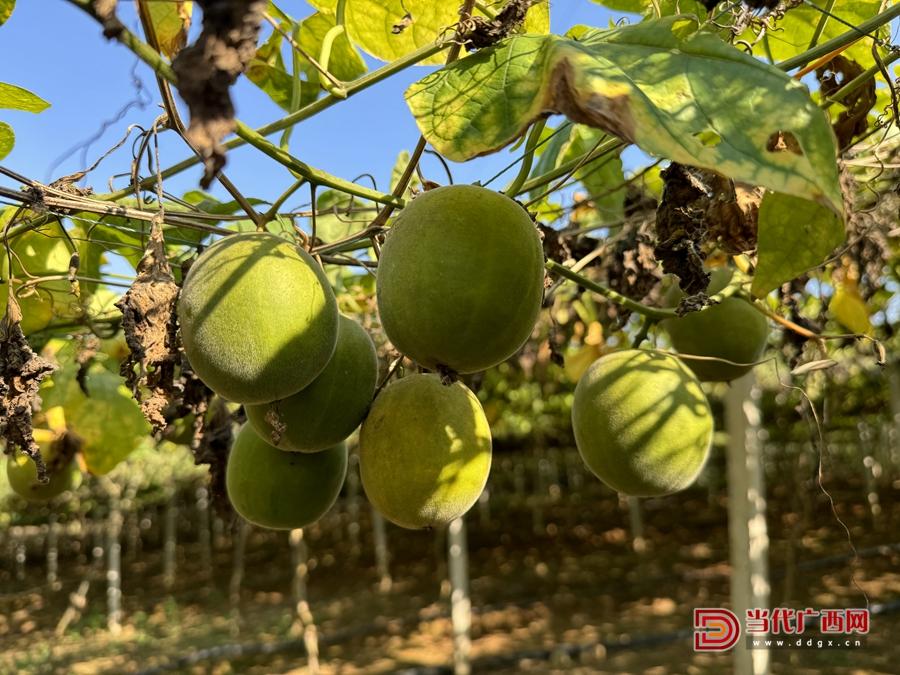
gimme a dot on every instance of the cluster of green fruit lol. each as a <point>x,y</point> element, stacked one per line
<point>260,327</point>
<point>459,288</point>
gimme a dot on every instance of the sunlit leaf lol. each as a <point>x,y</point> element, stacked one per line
<point>40,253</point>
<point>660,84</point>
<point>6,10</point>
<point>17,98</point>
<point>399,167</point>
<point>338,224</point>
<point>848,307</point>
<point>603,179</point>
<point>793,33</point>
<point>647,8</point>
<point>7,139</point>
<point>345,63</point>
<point>795,235</point>
<point>389,29</point>
<point>171,21</point>
<point>107,419</point>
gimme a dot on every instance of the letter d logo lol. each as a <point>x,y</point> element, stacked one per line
<point>715,629</point>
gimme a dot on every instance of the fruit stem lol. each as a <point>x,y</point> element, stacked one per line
<point>653,313</point>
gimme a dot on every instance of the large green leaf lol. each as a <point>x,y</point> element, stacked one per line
<point>795,235</point>
<point>171,21</point>
<point>6,10</point>
<point>673,91</point>
<point>389,29</point>
<point>17,98</point>
<point>7,139</point>
<point>793,33</point>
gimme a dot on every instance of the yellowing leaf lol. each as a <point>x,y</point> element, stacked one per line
<point>578,361</point>
<point>389,29</point>
<point>793,32</point>
<point>848,307</point>
<point>7,139</point>
<point>6,10</point>
<point>661,84</point>
<point>171,21</point>
<point>17,98</point>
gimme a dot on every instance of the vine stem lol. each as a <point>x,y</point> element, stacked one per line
<point>568,167</point>
<point>381,219</point>
<point>257,137</point>
<point>653,313</point>
<point>851,35</point>
<point>174,118</point>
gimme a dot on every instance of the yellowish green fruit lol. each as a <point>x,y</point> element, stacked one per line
<point>22,474</point>
<point>328,410</point>
<point>258,318</point>
<point>642,423</point>
<point>424,451</point>
<point>282,490</point>
<point>731,330</point>
<point>460,279</point>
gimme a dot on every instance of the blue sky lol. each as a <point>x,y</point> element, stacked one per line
<point>55,50</point>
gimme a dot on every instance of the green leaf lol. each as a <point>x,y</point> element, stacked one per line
<point>108,420</point>
<point>266,70</point>
<point>537,20</point>
<point>793,33</point>
<point>17,98</point>
<point>171,21</point>
<point>338,224</point>
<point>45,252</point>
<point>603,179</point>
<point>645,7</point>
<point>389,29</point>
<point>6,10</point>
<point>345,63</point>
<point>660,84</point>
<point>548,154</point>
<point>7,139</point>
<point>795,235</point>
<point>848,307</point>
<point>399,168</point>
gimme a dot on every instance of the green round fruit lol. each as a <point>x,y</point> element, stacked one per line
<point>282,490</point>
<point>424,451</point>
<point>328,410</point>
<point>460,279</point>
<point>258,318</point>
<point>642,423</point>
<point>731,330</point>
<point>22,474</point>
